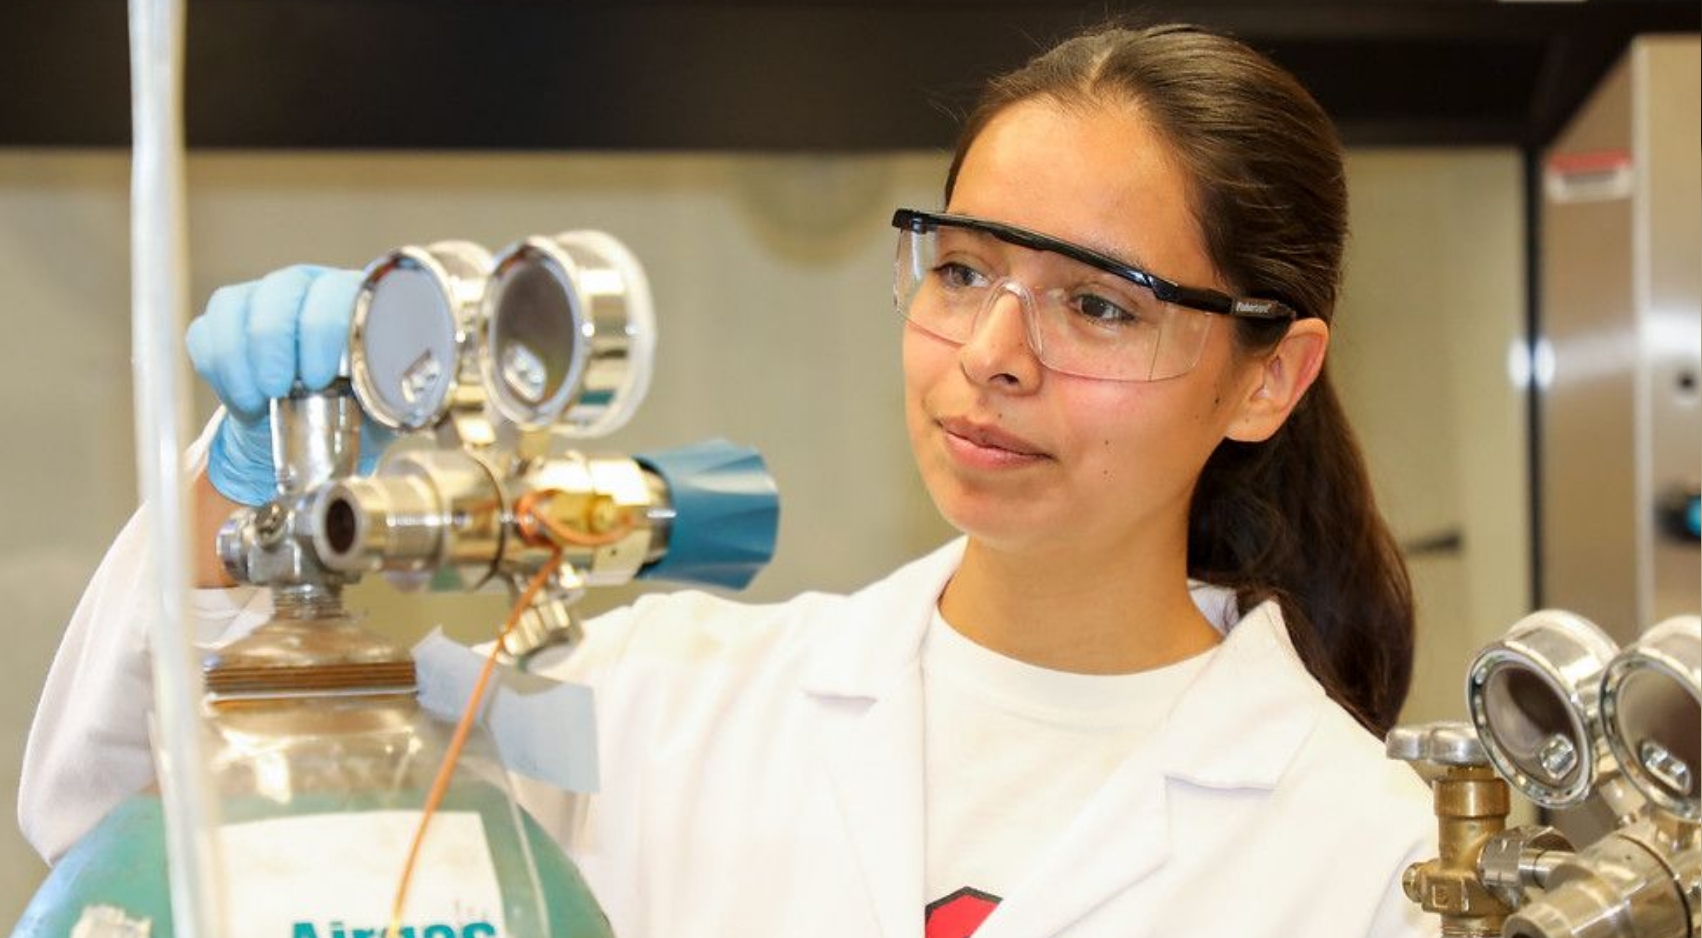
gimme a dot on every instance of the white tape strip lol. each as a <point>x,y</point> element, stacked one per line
<point>543,729</point>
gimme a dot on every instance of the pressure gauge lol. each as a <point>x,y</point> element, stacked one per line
<point>1534,699</point>
<point>1651,702</point>
<point>411,321</point>
<point>568,333</point>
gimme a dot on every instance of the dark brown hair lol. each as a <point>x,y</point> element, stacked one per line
<point>1292,518</point>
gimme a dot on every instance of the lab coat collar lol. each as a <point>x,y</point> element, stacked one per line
<point>1244,719</point>
<point>876,638</point>
<point>1239,724</point>
<point>872,647</point>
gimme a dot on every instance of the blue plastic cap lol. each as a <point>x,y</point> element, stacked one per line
<point>726,514</point>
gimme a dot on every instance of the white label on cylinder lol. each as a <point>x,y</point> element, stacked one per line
<point>335,876</point>
<point>105,921</point>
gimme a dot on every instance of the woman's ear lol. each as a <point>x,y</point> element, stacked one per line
<point>1285,374</point>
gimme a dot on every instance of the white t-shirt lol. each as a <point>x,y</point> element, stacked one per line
<point>1013,752</point>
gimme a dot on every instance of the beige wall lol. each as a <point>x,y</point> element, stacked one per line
<point>771,278</point>
<point>1431,312</point>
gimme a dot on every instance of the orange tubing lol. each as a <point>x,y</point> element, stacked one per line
<point>529,520</point>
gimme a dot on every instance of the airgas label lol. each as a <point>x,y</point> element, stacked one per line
<point>439,930</point>
<point>335,876</point>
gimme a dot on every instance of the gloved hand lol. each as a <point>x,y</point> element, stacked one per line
<point>250,345</point>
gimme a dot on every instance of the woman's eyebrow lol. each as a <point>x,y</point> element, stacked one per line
<point>1115,254</point>
<point>974,234</point>
<point>1119,254</point>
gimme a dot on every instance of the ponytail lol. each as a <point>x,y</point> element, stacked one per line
<point>1293,520</point>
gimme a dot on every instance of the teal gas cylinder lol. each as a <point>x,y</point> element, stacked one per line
<point>321,757</point>
<point>121,865</point>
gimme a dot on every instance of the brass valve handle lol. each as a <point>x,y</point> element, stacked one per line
<point>1472,803</point>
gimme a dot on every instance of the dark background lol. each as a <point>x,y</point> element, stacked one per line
<point>720,75</point>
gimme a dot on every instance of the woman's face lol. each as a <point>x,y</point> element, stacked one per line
<point>1023,458</point>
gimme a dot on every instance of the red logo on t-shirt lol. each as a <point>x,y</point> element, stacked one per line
<point>959,914</point>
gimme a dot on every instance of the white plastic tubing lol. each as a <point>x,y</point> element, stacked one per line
<point>159,284</point>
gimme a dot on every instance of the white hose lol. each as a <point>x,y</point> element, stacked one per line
<point>159,283</point>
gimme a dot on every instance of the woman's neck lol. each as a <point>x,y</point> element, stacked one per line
<point>1068,610</point>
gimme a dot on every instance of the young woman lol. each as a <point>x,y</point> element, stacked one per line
<point>1143,694</point>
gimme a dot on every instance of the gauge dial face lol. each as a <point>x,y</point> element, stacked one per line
<point>1652,715</point>
<point>1659,721</point>
<point>405,343</point>
<point>1534,726</point>
<point>535,336</point>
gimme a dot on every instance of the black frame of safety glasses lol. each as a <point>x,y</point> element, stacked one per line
<point>1200,298</point>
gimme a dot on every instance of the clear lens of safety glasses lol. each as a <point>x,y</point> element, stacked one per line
<point>1652,714</point>
<point>412,318</point>
<point>1534,697</point>
<point>1082,320</point>
<point>569,333</point>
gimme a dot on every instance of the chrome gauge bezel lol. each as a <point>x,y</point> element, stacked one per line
<point>623,346</point>
<point>456,272</point>
<point>607,299</point>
<point>1669,653</point>
<point>1565,656</point>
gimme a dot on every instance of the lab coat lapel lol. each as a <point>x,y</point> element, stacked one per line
<point>1125,833</point>
<point>874,758</point>
<point>865,680</point>
<point>1120,838</point>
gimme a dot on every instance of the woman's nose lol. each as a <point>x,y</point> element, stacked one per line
<point>999,350</point>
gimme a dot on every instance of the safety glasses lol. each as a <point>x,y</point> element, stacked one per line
<point>1086,313</point>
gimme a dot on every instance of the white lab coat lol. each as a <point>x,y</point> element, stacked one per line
<point>762,775</point>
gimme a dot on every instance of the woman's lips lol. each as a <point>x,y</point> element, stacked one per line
<point>984,445</point>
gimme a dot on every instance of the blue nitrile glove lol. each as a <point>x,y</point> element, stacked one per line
<point>251,345</point>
